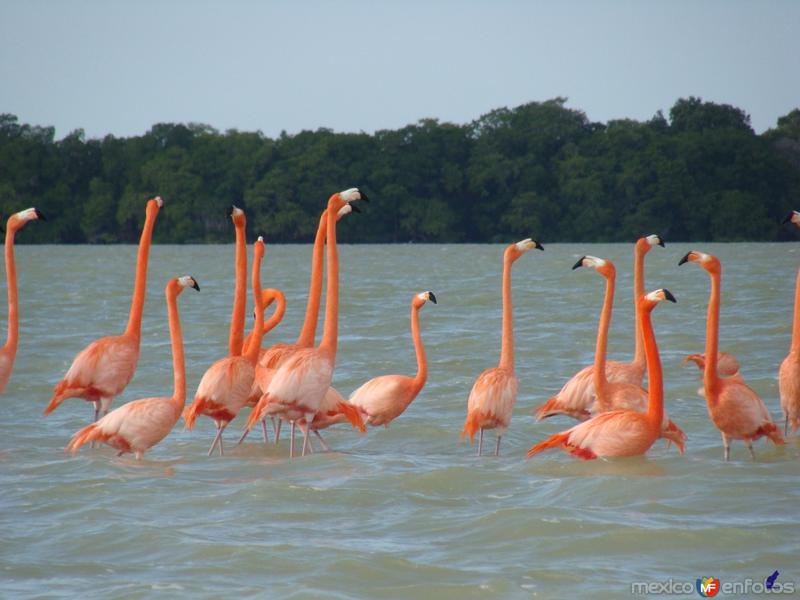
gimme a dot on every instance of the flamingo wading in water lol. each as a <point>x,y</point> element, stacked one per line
<point>106,366</point>
<point>9,351</point>
<point>383,399</point>
<point>621,432</point>
<point>736,410</point>
<point>576,397</point>
<point>491,400</point>
<point>789,372</point>
<point>139,425</point>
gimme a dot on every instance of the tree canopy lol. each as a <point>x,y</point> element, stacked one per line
<point>539,169</point>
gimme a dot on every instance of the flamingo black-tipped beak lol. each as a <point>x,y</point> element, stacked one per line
<point>432,297</point>
<point>230,211</point>
<point>363,196</point>
<point>579,263</point>
<point>39,214</point>
<point>668,296</point>
<point>354,208</point>
<point>661,242</point>
<point>538,246</point>
<point>685,259</point>
<point>195,286</point>
<point>787,219</point>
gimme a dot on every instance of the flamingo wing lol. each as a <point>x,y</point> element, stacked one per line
<point>383,398</point>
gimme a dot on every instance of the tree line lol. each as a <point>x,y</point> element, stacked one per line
<point>539,169</point>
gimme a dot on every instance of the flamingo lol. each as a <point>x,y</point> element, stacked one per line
<point>139,425</point>
<point>577,395</point>
<point>621,432</point>
<point>789,372</point>
<point>271,358</point>
<point>618,395</point>
<point>105,367</point>
<point>299,384</point>
<point>225,386</point>
<point>736,410</point>
<point>382,399</point>
<point>727,365</point>
<point>9,351</point>
<point>491,400</point>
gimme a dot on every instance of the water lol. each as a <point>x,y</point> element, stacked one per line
<point>408,511</point>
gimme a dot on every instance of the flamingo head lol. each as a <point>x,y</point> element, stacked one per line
<point>18,220</point>
<point>419,299</point>
<point>153,206</point>
<point>603,266</point>
<point>707,261</point>
<point>514,251</point>
<point>339,199</point>
<point>237,215</point>
<point>793,217</point>
<point>645,243</point>
<point>346,210</point>
<point>258,248</point>
<point>698,359</point>
<point>649,301</point>
<point>187,281</point>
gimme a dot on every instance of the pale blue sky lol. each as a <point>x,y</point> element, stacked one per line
<point>119,67</point>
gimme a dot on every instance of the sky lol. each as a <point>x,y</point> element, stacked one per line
<point>118,67</point>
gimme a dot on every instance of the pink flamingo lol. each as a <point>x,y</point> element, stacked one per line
<point>225,386</point>
<point>9,351</point>
<point>383,399</point>
<point>577,396</point>
<point>105,367</point>
<point>491,400</point>
<point>727,365</point>
<point>735,409</point>
<point>271,358</point>
<point>618,395</point>
<point>139,425</point>
<point>621,432</point>
<point>299,384</point>
<point>789,373</point>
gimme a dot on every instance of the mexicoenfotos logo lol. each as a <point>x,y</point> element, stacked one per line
<point>707,587</point>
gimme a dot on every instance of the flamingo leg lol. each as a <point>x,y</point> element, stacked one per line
<point>244,435</point>
<point>786,426</point>
<point>96,416</point>
<point>480,441</point>
<point>324,445</point>
<point>497,446</point>
<point>217,438</point>
<point>727,445</point>
<point>277,429</point>
<point>264,430</point>
<point>291,441</point>
<point>309,417</point>
<point>749,444</point>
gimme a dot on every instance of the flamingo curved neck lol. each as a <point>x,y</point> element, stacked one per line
<point>134,328</point>
<point>601,346</point>
<point>178,360</point>
<point>236,335</point>
<point>12,337</point>
<point>507,344</point>
<point>331,330</point>
<point>710,376</point>
<point>258,327</point>
<point>638,291</point>
<point>655,389</point>
<point>796,320</point>
<point>422,361</point>
<point>309,330</point>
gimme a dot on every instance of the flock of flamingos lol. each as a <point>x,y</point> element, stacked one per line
<point>292,382</point>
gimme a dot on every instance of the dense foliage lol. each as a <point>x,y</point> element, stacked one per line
<point>539,169</point>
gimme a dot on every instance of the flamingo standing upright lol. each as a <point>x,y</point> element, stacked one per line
<point>139,425</point>
<point>736,410</point>
<point>578,395</point>
<point>491,400</point>
<point>383,399</point>
<point>9,350</point>
<point>105,367</point>
<point>297,387</point>
<point>621,432</point>
<point>225,386</point>
<point>789,372</point>
<point>618,395</point>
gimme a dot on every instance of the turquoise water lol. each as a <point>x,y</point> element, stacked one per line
<point>408,511</point>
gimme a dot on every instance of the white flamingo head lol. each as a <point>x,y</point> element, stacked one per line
<point>654,240</point>
<point>660,295</point>
<point>353,194</point>
<point>528,244</point>
<point>187,281</point>
<point>30,214</point>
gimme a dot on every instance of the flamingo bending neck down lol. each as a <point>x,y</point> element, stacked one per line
<point>382,399</point>
<point>577,396</point>
<point>736,410</point>
<point>491,400</point>
<point>139,425</point>
<point>621,432</point>
<point>789,373</point>
<point>225,386</point>
<point>9,350</point>
<point>105,367</point>
<point>297,387</point>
